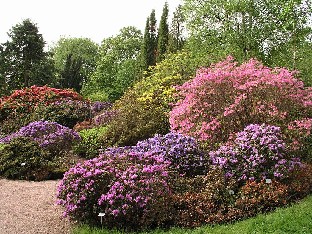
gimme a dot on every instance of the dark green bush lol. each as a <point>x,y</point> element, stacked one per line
<point>24,159</point>
<point>90,142</point>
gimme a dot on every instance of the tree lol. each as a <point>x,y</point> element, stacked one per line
<point>149,46</point>
<point>176,35</point>
<point>246,28</point>
<point>24,61</point>
<point>163,34</point>
<point>75,61</point>
<point>117,67</point>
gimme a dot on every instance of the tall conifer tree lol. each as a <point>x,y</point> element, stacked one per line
<point>163,34</point>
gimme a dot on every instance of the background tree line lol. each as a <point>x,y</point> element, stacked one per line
<point>276,32</point>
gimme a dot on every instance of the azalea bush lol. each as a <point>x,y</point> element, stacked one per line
<point>258,152</point>
<point>130,188</point>
<point>224,98</point>
<point>49,135</point>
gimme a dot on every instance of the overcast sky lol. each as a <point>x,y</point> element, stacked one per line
<point>94,19</point>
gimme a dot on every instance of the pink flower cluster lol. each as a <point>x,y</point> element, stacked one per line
<point>226,97</point>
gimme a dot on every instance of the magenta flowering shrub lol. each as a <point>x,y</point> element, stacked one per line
<point>49,135</point>
<point>258,153</point>
<point>224,98</point>
<point>130,188</point>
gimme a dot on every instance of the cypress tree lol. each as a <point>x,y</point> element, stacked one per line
<point>163,34</point>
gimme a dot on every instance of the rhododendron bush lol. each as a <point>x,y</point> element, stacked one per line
<point>258,153</point>
<point>36,103</point>
<point>49,135</point>
<point>128,187</point>
<point>226,97</point>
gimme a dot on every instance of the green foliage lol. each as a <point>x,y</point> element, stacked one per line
<point>246,29</point>
<point>24,62</point>
<point>75,61</point>
<point>90,142</point>
<point>143,110</point>
<point>24,159</point>
<point>117,67</point>
<point>177,31</point>
<point>65,112</point>
<point>163,34</point>
<point>149,45</point>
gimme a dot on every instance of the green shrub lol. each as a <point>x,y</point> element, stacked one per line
<point>24,159</point>
<point>143,109</point>
<point>90,142</point>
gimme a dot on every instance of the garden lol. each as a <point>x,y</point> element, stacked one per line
<point>175,151</point>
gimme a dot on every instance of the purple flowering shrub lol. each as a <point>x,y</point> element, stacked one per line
<point>182,151</point>
<point>49,135</point>
<point>258,152</point>
<point>129,187</point>
<point>98,107</point>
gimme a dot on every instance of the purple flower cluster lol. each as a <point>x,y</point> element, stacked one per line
<point>121,185</point>
<point>104,117</point>
<point>258,152</point>
<point>182,151</point>
<point>49,135</point>
<point>97,106</point>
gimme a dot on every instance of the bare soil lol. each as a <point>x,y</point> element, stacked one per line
<point>28,207</point>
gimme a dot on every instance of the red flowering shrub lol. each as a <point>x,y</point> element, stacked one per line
<point>225,97</point>
<point>20,107</point>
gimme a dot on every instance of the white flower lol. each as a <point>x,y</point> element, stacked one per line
<point>23,164</point>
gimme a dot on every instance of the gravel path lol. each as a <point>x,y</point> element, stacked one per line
<point>29,208</point>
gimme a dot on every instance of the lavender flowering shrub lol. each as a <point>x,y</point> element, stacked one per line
<point>182,151</point>
<point>98,107</point>
<point>258,153</point>
<point>130,188</point>
<point>49,135</point>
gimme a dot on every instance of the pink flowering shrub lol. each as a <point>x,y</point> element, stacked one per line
<point>226,97</point>
<point>258,153</point>
<point>300,138</point>
<point>129,187</point>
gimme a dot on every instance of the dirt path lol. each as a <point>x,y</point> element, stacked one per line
<point>29,207</point>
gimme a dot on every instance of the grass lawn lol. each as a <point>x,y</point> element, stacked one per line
<point>294,219</point>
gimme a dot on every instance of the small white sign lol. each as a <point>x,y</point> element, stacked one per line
<point>268,181</point>
<point>23,164</point>
<point>101,214</point>
<point>231,192</point>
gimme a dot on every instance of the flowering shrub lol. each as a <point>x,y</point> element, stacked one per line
<point>130,188</point>
<point>258,152</point>
<point>66,112</point>
<point>300,139</point>
<point>21,105</point>
<point>225,97</point>
<point>49,135</point>
<point>98,106</point>
<point>105,117</point>
<point>182,151</point>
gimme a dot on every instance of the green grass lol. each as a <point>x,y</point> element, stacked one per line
<point>294,219</point>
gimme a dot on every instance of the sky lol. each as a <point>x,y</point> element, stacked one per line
<point>94,19</point>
